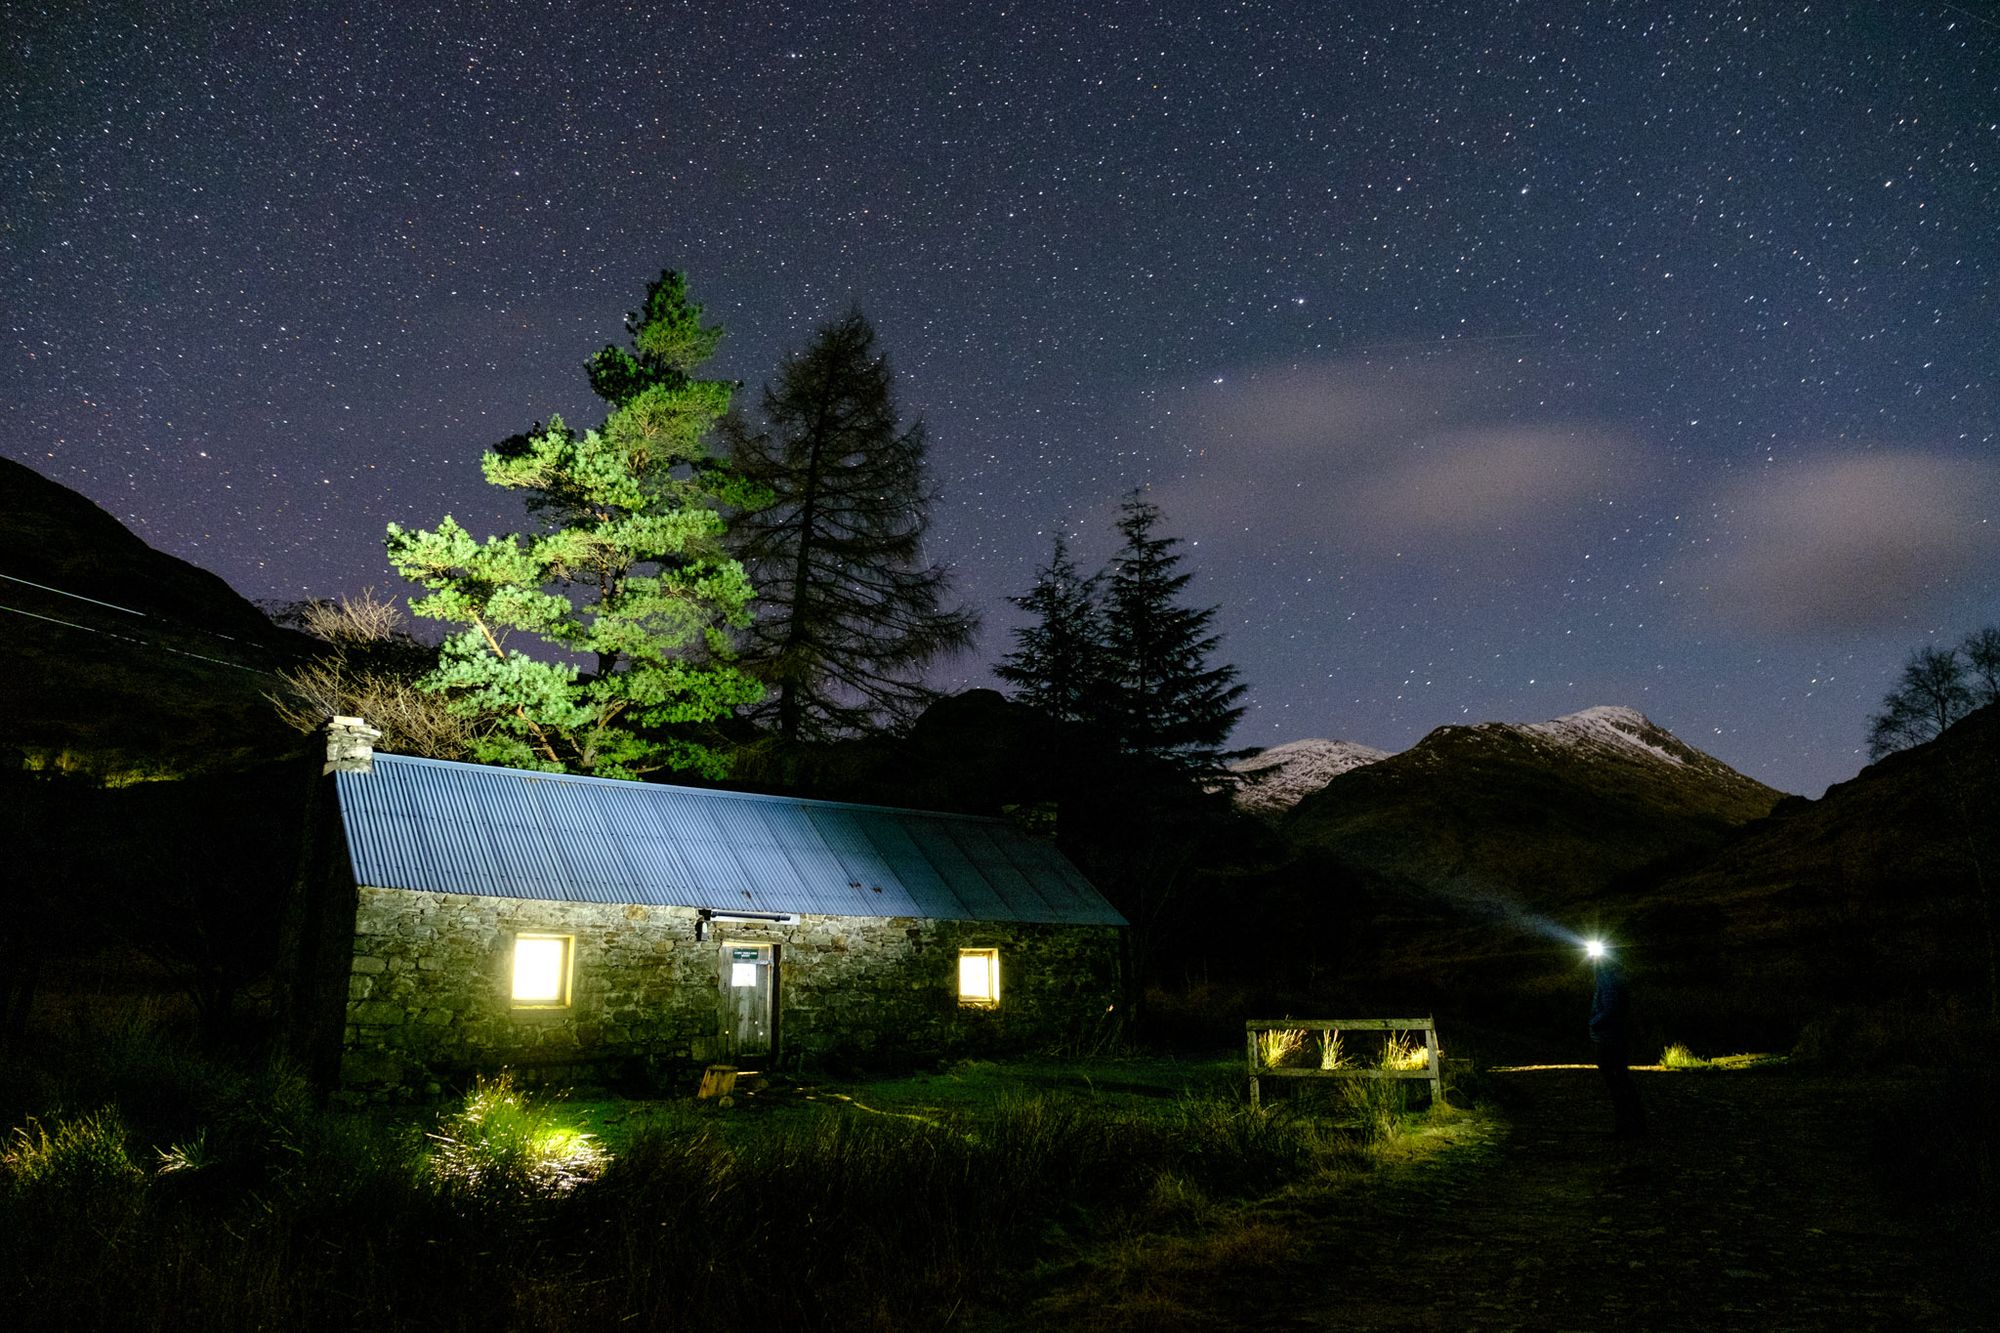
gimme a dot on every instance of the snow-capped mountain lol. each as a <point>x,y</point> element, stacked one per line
<point>1297,769</point>
<point>1544,810</point>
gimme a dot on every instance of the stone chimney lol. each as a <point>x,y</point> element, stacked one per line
<point>350,746</point>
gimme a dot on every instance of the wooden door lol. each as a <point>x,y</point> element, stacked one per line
<point>749,999</point>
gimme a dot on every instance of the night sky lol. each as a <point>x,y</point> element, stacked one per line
<point>1494,361</point>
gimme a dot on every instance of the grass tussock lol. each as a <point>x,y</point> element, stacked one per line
<point>1678,1056</point>
<point>1403,1051</point>
<point>1280,1046</point>
<point>1331,1056</point>
<point>501,1144</point>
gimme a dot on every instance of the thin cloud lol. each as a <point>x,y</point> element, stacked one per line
<point>1851,542</point>
<point>1486,483</point>
<point>1386,458</point>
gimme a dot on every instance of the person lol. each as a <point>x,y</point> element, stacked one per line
<point>1611,1043</point>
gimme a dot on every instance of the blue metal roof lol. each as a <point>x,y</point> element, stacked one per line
<point>433,825</point>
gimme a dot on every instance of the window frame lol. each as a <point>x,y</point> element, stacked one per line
<point>565,987</point>
<point>991,1000</point>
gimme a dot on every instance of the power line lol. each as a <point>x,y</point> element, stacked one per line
<point>79,596</point>
<point>127,638</point>
<point>173,622</point>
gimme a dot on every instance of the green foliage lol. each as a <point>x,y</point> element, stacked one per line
<point>849,612</point>
<point>629,574</point>
<point>667,336</point>
<point>1378,1105</point>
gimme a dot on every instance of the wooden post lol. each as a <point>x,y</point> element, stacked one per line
<point>1431,1059</point>
<point>1250,1040</point>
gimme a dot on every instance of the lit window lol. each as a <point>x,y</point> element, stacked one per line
<point>541,971</point>
<point>979,976</point>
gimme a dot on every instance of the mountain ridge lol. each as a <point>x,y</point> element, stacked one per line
<point>1544,811</point>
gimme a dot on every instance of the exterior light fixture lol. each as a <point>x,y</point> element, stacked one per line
<point>706,915</point>
<point>1593,949</point>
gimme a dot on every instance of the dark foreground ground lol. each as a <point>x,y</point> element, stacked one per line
<point>1752,1205</point>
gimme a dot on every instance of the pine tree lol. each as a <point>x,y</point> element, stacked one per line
<point>627,572</point>
<point>1165,701</point>
<point>848,612</point>
<point>1058,662</point>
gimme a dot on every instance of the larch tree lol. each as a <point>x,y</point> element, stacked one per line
<point>1165,700</point>
<point>849,611</point>
<point>628,573</point>
<point>1058,663</point>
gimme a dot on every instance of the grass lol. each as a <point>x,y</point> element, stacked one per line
<point>500,1143</point>
<point>1678,1056</point>
<point>1403,1050</point>
<point>1278,1046</point>
<point>1330,1054</point>
<point>143,1181</point>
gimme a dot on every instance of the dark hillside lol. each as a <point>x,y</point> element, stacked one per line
<point>158,900</point>
<point>1869,896</point>
<point>123,663</point>
<point>1459,876</point>
<point>1862,904</point>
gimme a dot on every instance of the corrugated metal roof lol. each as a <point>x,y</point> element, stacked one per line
<point>437,826</point>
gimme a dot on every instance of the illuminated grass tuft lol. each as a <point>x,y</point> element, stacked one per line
<point>502,1143</point>
<point>1330,1054</point>
<point>1403,1051</point>
<point>1678,1056</point>
<point>1278,1045</point>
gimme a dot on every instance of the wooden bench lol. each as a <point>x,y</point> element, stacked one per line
<point>1259,1070</point>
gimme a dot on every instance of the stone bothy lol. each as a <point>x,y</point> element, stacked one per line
<point>469,919</point>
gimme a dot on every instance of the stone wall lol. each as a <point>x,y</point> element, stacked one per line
<point>429,995</point>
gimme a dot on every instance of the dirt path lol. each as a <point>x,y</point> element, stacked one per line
<point>1750,1206</point>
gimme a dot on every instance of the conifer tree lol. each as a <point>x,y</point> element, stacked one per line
<point>1058,662</point>
<point>848,613</point>
<point>1165,701</point>
<point>628,572</point>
